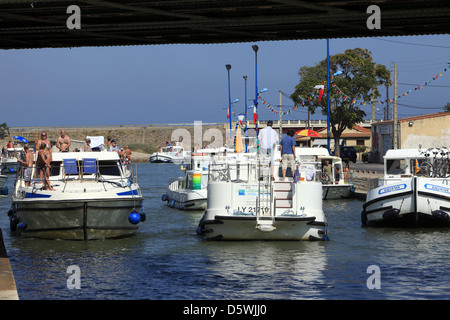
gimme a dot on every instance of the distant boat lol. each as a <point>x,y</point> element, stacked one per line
<point>9,163</point>
<point>414,191</point>
<point>169,154</point>
<point>96,196</point>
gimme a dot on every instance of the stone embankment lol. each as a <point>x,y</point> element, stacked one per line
<point>145,139</point>
<point>364,181</point>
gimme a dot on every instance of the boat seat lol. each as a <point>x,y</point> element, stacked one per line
<point>90,167</point>
<point>70,168</point>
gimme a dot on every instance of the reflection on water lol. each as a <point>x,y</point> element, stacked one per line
<point>165,259</point>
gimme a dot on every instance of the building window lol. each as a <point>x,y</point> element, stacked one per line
<point>360,142</point>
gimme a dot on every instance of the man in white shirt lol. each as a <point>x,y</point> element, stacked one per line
<point>268,138</point>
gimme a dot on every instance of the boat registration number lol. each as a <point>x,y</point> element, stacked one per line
<point>253,209</point>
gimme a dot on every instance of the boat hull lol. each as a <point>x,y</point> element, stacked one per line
<point>412,202</point>
<point>9,167</point>
<point>244,228</point>
<point>235,211</point>
<point>160,159</point>
<point>75,220</point>
<point>188,200</point>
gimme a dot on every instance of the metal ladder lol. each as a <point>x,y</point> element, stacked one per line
<point>265,211</point>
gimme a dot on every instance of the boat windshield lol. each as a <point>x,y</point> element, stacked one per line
<point>396,166</point>
<point>109,168</point>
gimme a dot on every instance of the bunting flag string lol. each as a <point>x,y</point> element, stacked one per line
<point>345,97</point>
<point>341,95</point>
<point>271,108</point>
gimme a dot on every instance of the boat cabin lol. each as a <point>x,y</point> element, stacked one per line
<point>402,162</point>
<point>13,154</point>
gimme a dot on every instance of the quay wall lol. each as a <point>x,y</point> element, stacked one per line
<point>144,139</point>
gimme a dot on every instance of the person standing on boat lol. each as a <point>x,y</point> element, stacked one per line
<point>268,138</point>
<point>287,149</point>
<point>327,171</point>
<point>47,150</point>
<point>127,153</point>
<point>114,146</point>
<point>43,162</point>
<point>63,142</point>
<point>28,164</point>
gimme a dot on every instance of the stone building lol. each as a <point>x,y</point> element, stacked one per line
<point>428,130</point>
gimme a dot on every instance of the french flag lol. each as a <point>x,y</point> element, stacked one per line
<point>320,87</point>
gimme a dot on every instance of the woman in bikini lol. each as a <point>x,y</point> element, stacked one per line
<point>43,163</point>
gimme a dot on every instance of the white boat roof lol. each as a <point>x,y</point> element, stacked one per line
<point>104,155</point>
<point>312,151</point>
<point>215,150</point>
<point>14,149</point>
<point>404,153</point>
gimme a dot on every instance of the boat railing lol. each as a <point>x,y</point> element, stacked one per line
<point>233,172</point>
<point>117,174</point>
<point>176,183</point>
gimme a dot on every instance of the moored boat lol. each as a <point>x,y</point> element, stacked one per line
<point>169,154</point>
<point>339,184</point>
<point>245,204</point>
<point>414,191</point>
<point>9,163</point>
<point>189,192</point>
<point>95,197</point>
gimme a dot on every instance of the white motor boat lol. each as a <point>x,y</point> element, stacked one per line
<point>243,203</point>
<point>95,197</point>
<point>414,191</point>
<point>169,154</point>
<point>9,160</point>
<point>339,185</point>
<point>189,192</point>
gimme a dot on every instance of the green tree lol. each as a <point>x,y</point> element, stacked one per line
<point>447,107</point>
<point>359,81</point>
<point>4,130</point>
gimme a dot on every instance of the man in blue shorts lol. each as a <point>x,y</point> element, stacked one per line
<point>287,148</point>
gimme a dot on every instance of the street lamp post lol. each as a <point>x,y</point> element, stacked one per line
<point>245,129</point>
<point>328,96</point>
<point>255,48</point>
<point>228,66</point>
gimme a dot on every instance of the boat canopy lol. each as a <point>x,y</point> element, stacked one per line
<point>60,156</point>
<point>96,141</point>
<point>404,154</point>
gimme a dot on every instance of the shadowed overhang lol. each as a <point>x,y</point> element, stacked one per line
<point>42,23</point>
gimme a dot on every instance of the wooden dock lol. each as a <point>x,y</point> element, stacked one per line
<point>8,290</point>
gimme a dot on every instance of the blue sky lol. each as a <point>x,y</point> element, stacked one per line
<point>186,83</point>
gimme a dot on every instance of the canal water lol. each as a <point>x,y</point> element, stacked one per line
<point>166,260</point>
